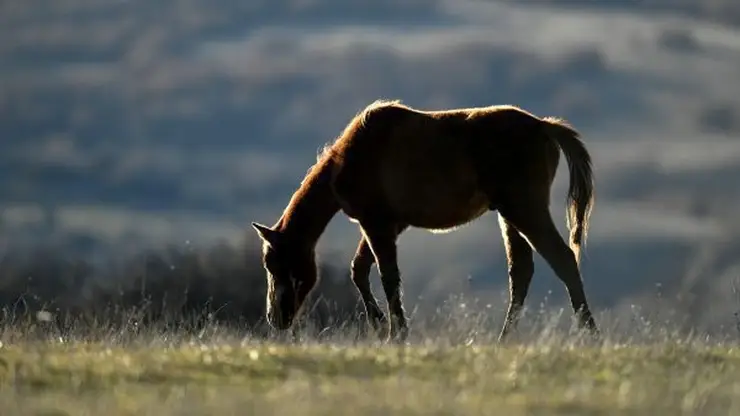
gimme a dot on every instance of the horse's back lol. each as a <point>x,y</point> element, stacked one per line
<point>428,168</point>
<point>412,165</point>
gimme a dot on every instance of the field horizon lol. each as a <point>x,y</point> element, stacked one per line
<point>128,128</point>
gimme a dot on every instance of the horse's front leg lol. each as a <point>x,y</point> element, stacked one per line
<point>382,240</point>
<point>360,272</point>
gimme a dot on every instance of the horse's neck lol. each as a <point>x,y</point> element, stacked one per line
<point>312,206</point>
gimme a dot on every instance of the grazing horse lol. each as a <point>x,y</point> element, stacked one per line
<point>395,167</point>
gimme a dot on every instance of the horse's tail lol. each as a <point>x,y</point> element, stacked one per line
<point>580,198</point>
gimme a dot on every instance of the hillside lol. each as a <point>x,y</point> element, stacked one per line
<point>127,125</point>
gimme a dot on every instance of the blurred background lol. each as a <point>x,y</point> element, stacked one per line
<point>138,139</point>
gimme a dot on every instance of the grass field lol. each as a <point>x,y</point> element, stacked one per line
<point>171,374</point>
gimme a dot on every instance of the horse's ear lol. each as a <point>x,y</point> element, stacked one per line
<point>266,233</point>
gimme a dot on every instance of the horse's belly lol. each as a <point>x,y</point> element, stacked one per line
<point>438,206</point>
<point>449,220</point>
<point>431,181</point>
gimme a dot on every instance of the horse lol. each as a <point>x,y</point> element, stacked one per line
<point>394,166</point>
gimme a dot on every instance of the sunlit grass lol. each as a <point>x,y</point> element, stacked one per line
<point>232,376</point>
<point>451,365</point>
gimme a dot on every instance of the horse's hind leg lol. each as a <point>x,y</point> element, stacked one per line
<point>534,221</point>
<point>381,237</point>
<point>520,263</point>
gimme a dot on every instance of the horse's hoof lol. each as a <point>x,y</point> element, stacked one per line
<point>399,337</point>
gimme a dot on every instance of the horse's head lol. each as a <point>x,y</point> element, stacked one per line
<point>291,275</point>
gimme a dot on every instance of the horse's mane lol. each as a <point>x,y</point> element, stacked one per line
<point>361,116</point>
<point>321,156</point>
<point>357,121</point>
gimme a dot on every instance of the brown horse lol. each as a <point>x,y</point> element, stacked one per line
<point>394,166</point>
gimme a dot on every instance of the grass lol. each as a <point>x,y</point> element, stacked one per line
<point>160,373</point>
